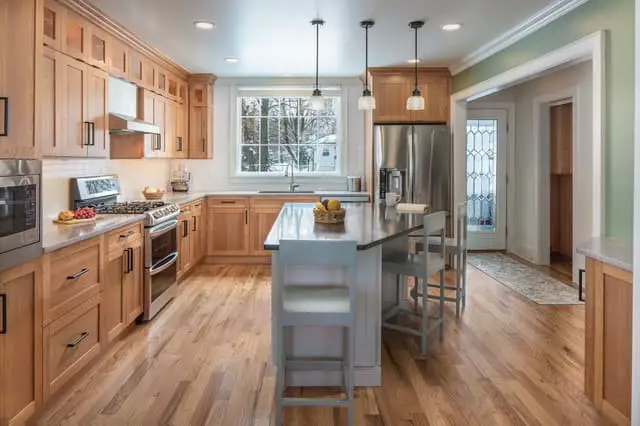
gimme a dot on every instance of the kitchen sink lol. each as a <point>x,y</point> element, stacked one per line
<point>273,191</point>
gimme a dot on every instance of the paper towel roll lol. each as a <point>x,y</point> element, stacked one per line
<point>412,208</point>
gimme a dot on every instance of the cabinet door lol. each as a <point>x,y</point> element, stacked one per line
<point>75,36</point>
<point>161,80</point>
<point>184,237</point>
<point>97,113</point>
<point>391,92</point>
<point>262,219</point>
<point>200,133</point>
<point>117,58</point>
<point>97,55</point>
<point>73,123</point>
<point>52,29</point>
<point>180,146</point>
<point>20,342</point>
<point>133,285</point>
<point>113,315</point>
<point>434,86</point>
<point>228,231</point>
<point>147,110</point>
<point>159,118</point>
<point>169,143</point>
<point>48,103</point>
<point>148,73</point>
<point>196,237</point>
<point>201,94</point>
<point>17,74</point>
<point>135,67</point>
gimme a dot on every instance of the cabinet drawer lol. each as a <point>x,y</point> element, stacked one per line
<point>72,276</point>
<point>70,343</point>
<point>122,237</point>
<point>228,202</point>
<point>196,208</point>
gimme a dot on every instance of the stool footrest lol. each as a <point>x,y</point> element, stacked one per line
<point>315,402</point>
<point>434,323</point>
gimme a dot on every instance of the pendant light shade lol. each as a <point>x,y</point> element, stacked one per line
<point>316,101</point>
<point>415,102</point>
<point>366,102</point>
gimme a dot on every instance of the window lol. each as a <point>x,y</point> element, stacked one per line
<point>279,128</point>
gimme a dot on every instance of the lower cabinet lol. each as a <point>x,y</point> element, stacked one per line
<point>20,342</point>
<point>184,243</point>
<point>608,339</point>
<point>123,290</point>
<point>70,343</point>
<point>228,227</point>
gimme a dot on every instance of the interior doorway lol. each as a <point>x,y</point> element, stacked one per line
<point>561,187</point>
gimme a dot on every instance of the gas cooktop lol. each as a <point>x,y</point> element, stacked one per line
<point>155,211</point>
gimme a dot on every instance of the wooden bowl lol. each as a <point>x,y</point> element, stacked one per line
<point>331,217</point>
<point>153,195</point>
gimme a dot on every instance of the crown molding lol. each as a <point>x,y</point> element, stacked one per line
<point>530,25</point>
<point>106,23</point>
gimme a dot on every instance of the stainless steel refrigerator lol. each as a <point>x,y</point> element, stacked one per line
<point>416,160</point>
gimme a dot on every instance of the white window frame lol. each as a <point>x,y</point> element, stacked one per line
<point>299,89</point>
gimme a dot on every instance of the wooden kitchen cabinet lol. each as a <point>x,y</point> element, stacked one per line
<point>74,40</point>
<point>184,241</point>
<point>99,46</point>
<point>52,30</point>
<point>122,296</point>
<point>191,236</point>
<point>201,132</point>
<point>181,143</point>
<point>608,339</point>
<point>170,119</point>
<point>118,60</point>
<point>20,343</point>
<point>198,232</point>
<point>148,73</point>
<point>73,110</point>
<point>392,87</point>
<point>228,227</point>
<point>17,74</point>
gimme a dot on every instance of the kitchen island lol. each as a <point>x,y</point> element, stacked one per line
<point>372,227</point>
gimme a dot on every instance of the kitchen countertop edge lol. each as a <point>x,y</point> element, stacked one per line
<point>612,251</point>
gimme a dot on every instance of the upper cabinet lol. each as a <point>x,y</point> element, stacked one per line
<point>17,74</point>
<point>392,87</point>
<point>201,116</point>
<point>97,47</point>
<point>118,58</point>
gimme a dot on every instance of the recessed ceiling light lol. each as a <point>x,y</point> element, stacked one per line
<point>451,27</point>
<point>231,60</point>
<point>204,25</point>
<point>413,61</point>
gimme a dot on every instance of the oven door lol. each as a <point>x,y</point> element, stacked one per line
<point>161,267</point>
<point>19,211</point>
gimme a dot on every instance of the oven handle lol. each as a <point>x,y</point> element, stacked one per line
<point>164,263</point>
<point>163,228</point>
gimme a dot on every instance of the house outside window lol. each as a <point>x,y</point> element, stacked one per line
<point>278,128</point>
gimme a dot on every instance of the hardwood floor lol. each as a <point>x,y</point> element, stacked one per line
<point>206,360</point>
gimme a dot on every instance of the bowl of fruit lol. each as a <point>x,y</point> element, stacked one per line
<point>151,193</point>
<point>73,217</point>
<point>329,212</point>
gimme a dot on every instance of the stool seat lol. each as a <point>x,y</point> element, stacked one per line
<point>413,265</point>
<point>316,299</point>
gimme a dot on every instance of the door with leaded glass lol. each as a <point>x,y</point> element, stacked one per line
<point>486,179</point>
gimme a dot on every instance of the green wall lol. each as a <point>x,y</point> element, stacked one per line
<point>617,17</point>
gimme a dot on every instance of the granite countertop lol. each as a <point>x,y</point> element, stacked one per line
<point>187,197</point>
<point>56,236</point>
<point>366,224</point>
<point>615,252</point>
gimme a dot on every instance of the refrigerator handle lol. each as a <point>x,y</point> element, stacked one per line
<point>412,167</point>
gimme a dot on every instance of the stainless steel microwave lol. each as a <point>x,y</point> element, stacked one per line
<point>20,211</point>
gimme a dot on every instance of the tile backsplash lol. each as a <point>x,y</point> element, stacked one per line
<point>134,176</point>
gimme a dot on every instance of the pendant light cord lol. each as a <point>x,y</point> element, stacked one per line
<point>317,52</point>
<point>416,59</point>
<point>366,58</point>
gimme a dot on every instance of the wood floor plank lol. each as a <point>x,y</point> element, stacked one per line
<point>205,360</point>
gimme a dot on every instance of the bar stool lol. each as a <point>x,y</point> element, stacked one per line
<point>422,267</point>
<point>316,305</point>
<point>456,247</point>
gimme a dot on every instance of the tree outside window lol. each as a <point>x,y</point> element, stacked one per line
<point>276,131</point>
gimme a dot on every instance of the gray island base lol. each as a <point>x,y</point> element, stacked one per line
<point>374,228</point>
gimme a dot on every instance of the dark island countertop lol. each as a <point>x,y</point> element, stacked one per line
<point>366,224</point>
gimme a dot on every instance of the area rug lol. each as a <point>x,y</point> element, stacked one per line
<point>529,282</point>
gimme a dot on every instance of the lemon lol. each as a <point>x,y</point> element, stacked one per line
<point>333,205</point>
<point>320,206</point>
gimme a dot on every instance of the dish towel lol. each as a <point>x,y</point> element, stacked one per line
<point>412,208</point>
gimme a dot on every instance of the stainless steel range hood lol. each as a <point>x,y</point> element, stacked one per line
<point>121,124</point>
<point>123,110</point>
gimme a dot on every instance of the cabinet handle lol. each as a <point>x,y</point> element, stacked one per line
<point>93,133</point>
<point>127,235</point>
<point>5,118</point>
<point>204,145</point>
<point>246,216</point>
<point>79,340</point>
<point>87,141</point>
<point>130,252</point>
<point>3,330</point>
<point>185,228</point>
<point>125,260</point>
<point>195,223</point>
<point>581,283</point>
<point>179,143</point>
<point>78,274</point>
<point>228,202</point>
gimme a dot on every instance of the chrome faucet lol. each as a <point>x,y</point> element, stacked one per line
<point>293,186</point>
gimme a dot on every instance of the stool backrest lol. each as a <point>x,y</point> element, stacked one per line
<point>434,224</point>
<point>461,231</point>
<point>328,254</point>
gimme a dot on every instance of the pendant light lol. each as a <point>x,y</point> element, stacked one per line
<point>316,101</point>
<point>366,102</point>
<point>416,102</point>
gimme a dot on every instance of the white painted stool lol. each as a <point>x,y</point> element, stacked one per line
<point>316,305</point>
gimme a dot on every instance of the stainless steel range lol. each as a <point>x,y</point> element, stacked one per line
<point>160,234</point>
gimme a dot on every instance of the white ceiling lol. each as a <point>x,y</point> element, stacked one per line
<point>275,37</point>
